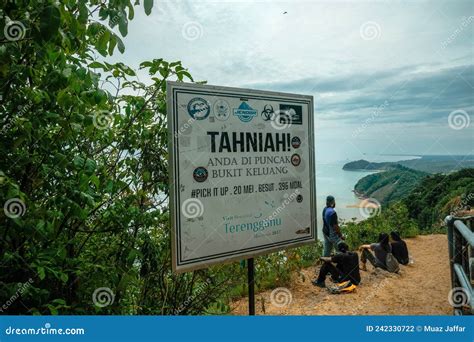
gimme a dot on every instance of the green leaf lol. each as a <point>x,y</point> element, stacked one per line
<point>83,12</point>
<point>90,166</point>
<point>52,309</point>
<point>102,42</point>
<point>78,162</point>
<point>123,25</point>
<point>41,273</point>
<point>131,12</point>
<point>148,4</point>
<point>97,65</point>
<point>120,45</point>
<point>95,180</point>
<point>64,278</point>
<point>50,20</point>
<point>112,44</point>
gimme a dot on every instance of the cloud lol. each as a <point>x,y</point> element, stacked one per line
<point>417,69</point>
<point>402,94</point>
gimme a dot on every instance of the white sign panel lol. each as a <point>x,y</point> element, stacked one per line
<point>241,172</point>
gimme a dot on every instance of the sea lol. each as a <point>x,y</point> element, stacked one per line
<point>331,179</point>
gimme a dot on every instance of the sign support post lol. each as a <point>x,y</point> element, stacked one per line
<point>251,285</point>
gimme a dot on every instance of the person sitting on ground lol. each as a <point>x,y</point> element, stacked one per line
<point>399,248</point>
<point>344,266</point>
<point>331,231</point>
<point>382,256</point>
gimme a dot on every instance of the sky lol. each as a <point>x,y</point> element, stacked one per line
<point>388,77</point>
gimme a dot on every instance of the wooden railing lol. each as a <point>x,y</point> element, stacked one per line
<point>461,257</point>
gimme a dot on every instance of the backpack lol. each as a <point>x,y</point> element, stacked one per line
<point>392,263</point>
<point>344,287</point>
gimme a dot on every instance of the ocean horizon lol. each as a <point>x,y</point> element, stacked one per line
<point>331,179</point>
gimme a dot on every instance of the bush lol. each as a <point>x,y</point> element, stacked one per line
<point>393,218</point>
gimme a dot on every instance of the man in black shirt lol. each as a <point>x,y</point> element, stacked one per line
<point>346,267</point>
<point>399,249</point>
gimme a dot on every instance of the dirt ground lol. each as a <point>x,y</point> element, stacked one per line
<point>421,288</point>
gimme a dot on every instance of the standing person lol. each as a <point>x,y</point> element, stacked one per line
<point>399,248</point>
<point>344,266</point>
<point>331,232</point>
<point>382,256</point>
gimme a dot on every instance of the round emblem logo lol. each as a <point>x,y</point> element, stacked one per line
<point>295,159</point>
<point>200,174</point>
<point>295,142</point>
<point>198,108</point>
<point>221,110</point>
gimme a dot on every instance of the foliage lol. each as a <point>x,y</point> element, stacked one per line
<point>440,195</point>
<point>393,218</point>
<point>85,170</point>
<point>363,164</point>
<point>391,185</point>
<point>429,164</point>
<point>85,161</point>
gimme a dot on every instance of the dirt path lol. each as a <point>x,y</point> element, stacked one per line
<point>421,289</point>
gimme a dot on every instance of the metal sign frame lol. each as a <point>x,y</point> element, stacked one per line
<point>173,89</point>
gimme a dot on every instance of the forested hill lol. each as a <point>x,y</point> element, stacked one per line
<point>437,196</point>
<point>391,185</point>
<point>363,164</point>
<point>429,164</point>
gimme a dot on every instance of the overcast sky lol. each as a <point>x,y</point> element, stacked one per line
<point>385,75</point>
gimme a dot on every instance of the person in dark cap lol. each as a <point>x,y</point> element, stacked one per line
<point>331,231</point>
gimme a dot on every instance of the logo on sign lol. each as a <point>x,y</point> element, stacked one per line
<point>267,113</point>
<point>245,113</point>
<point>295,142</point>
<point>295,159</point>
<point>198,108</point>
<point>221,110</point>
<point>200,174</point>
<point>291,114</point>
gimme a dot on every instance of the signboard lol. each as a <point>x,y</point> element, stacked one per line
<point>241,172</point>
